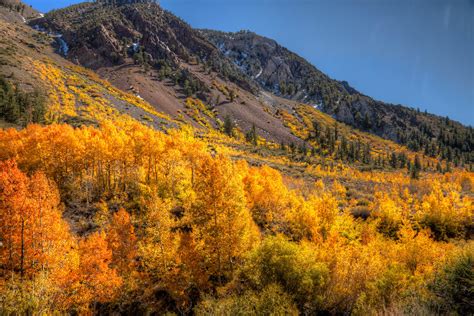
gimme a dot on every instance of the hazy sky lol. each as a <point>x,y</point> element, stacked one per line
<point>418,53</point>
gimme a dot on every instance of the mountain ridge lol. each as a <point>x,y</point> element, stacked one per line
<point>286,74</point>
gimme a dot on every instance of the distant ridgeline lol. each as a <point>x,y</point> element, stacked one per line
<point>121,2</point>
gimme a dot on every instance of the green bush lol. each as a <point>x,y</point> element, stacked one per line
<point>453,288</point>
<point>292,266</point>
<point>272,300</point>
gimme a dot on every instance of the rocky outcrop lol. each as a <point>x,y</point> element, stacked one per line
<point>100,35</point>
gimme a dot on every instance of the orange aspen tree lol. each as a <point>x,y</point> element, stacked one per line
<point>34,236</point>
<point>122,241</point>
<point>97,280</point>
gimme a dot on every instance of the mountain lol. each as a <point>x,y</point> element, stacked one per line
<point>102,35</point>
<point>177,61</point>
<point>145,50</point>
<point>274,67</point>
<point>284,73</point>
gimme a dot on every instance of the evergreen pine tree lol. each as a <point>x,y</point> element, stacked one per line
<point>415,168</point>
<point>252,136</point>
<point>229,126</point>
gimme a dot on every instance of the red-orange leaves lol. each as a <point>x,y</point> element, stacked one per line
<point>98,281</point>
<point>34,237</point>
<point>122,241</point>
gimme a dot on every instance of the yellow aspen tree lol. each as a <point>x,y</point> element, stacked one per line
<point>33,234</point>
<point>219,218</point>
<point>267,196</point>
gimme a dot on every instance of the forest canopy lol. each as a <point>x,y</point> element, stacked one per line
<point>160,223</point>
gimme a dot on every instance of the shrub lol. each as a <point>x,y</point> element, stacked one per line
<point>290,265</point>
<point>361,212</point>
<point>272,300</point>
<point>453,287</point>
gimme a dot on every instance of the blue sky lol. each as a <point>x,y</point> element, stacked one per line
<point>418,53</point>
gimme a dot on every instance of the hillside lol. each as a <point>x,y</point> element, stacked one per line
<point>149,52</point>
<point>77,96</point>
<point>145,50</point>
<point>33,74</point>
<point>280,71</point>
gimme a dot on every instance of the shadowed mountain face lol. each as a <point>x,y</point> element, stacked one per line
<point>112,39</point>
<point>101,35</point>
<point>274,67</point>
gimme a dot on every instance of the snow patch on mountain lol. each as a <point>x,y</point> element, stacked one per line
<point>318,106</point>
<point>135,47</point>
<point>63,46</point>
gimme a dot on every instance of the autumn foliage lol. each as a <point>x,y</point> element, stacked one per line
<point>102,220</point>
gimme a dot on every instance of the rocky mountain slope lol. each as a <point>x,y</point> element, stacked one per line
<point>147,51</point>
<point>280,71</point>
<point>32,76</point>
<point>102,35</point>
